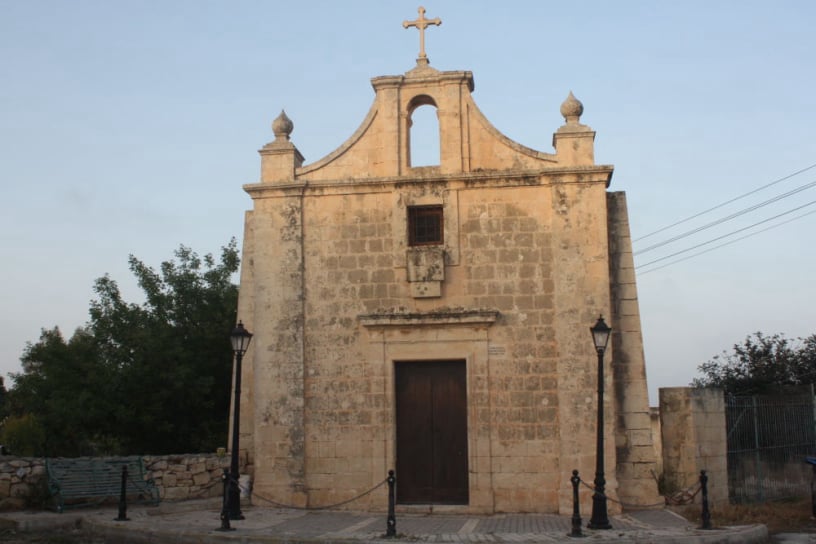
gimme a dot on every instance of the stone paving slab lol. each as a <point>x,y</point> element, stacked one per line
<point>199,524</point>
<point>795,538</point>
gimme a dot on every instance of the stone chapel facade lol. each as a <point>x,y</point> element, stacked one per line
<point>436,319</point>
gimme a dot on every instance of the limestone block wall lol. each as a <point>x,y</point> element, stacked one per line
<point>636,467</point>
<point>338,296</point>
<point>323,376</point>
<point>178,477</point>
<point>694,439</point>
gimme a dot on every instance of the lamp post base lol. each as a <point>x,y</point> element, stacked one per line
<point>235,500</point>
<point>600,518</point>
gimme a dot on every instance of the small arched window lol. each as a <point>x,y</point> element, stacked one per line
<point>423,139</point>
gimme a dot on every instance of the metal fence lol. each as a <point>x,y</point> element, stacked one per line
<point>769,437</point>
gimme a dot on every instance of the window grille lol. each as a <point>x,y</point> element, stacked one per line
<point>425,225</point>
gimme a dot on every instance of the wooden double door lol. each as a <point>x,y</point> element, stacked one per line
<point>432,447</point>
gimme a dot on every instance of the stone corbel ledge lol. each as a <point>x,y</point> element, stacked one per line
<point>436,317</point>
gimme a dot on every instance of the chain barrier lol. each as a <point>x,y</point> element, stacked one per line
<point>678,498</point>
<point>203,492</point>
<point>315,508</point>
<point>681,498</point>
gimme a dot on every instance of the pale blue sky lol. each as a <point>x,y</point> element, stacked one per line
<point>130,126</point>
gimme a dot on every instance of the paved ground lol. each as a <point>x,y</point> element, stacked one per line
<point>794,538</point>
<point>197,522</point>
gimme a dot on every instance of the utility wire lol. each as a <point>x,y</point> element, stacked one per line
<point>729,217</point>
<point>726,243</point>
<point>726,235</point>
<point>780,180</point>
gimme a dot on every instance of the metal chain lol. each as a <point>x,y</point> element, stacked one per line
<point>308,508</point>
<point>676,499</point>
<point>685,498</point>
<point>206,488</point>
<point>680,498</point>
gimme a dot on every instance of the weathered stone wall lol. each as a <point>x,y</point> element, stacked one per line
<point>19,480</point>
<point>180,477</point>
<point>692,422</point>
<point>636,467</point>
<point>177,477</point>
<point>337,297</point>
<point>531,406</point>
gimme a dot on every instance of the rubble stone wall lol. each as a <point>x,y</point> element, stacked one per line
<point>177,477</point>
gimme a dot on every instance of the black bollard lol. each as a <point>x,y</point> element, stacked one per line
<point>706,516</point>
<point>391,523</point>
<point>123,497</point>
<point>225,518</point>
<point>576,507</point>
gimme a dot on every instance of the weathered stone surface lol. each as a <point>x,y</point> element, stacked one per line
<point>694,439</point>
<point>531,250</point>
<point>176,493</point>
<point>12,503</point>
<point>20,490</point>
<point>18,476</point>
<point>158,465</point>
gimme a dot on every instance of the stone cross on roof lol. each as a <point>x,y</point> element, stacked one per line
<point>421,24</point>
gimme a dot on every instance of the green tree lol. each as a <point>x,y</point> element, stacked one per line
<point>24,435</point>
<point>138,378</point>
<point>171,353</point>
<point>62,388</point>
<point>759,364</point>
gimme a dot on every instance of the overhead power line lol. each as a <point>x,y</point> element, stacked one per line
<point>692,248</point>
<point>718,206</point>
<point>687,257</point>
<point>728,217</point>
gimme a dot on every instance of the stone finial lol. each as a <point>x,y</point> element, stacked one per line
<point>573,141</point>
<point>282,126</point>
<point>280,158</point>
<point>572,109</point>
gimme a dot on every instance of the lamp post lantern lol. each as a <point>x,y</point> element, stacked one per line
<point>600,520</point>
<point>240,338</point>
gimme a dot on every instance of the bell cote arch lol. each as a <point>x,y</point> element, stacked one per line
<point>423,132</point>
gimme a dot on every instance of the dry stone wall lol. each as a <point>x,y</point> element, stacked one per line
<point>178,477</point>
<point>19,479</point>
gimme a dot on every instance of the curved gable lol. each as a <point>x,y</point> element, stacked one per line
<point>468,142</point>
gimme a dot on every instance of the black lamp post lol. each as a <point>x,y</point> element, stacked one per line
<point>240,338</point>
<point>600,520</point>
